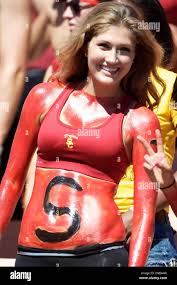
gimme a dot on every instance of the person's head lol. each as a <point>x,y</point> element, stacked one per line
<point>112,28</point>
<point>156,21</point>
<point>74,10</point>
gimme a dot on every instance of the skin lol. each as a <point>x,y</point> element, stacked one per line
<point>53,25</point>
<point>110,59</point>
<point>127,217</point>
<point>70,19</point>
<point>172,64</point>
<point>42,228</point>
<point>48,28</point>
<point>157,167</point>
<point>161,198</point>
<point>13,60</point>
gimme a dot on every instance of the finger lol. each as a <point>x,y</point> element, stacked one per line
<point>149,160</point>
<point>148,166</point>
<point>163,164</point>
<point>160,147</point>
<point>156,161</point>
<point>146,145</point>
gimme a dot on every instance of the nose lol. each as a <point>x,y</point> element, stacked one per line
<point>112,56</point>
<point>68,13</point>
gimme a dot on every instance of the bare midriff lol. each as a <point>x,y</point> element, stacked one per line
<point>69,209</point>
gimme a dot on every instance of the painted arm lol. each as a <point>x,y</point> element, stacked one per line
<point>23,146</point>
<point>128,215</point>
<point>15,20</point>
<point>143,122</point>
<point>158,168</point>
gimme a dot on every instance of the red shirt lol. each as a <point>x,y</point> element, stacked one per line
<point>170,7</point>
<point>43,61</point>
<point>105,158</point>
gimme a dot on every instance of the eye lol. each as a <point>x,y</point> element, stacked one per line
<point>124,50</point>
<point>103,45</point>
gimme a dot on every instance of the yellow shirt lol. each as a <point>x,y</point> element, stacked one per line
<point>166,112</point>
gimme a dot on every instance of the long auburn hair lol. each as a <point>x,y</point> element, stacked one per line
<point>154,13</point>
<point>148,54</point>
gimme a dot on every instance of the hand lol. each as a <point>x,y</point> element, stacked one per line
<point>156,163</point>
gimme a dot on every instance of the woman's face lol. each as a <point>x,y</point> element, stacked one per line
<point>110,55</point>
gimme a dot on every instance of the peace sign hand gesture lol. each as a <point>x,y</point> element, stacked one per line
<point>156,163</point>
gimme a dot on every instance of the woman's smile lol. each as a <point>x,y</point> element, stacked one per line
<point>110,56</point>
<point>108,70</point>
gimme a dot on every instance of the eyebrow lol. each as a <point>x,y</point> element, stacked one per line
<point>121,44</point>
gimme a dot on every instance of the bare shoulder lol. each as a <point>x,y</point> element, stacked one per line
<point>141,120</point>
<point>43,90</point>
<point>37,102</point>
<point>42,96</point>
<point>144,115</point>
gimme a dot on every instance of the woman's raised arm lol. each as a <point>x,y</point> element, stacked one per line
<point>157,166</point>
<point>144,123</point>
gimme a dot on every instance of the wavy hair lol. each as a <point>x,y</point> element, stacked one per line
<point>154,13</point>
<point>148,53</point>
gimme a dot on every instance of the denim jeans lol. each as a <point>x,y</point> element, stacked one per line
<point>163,251</point>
